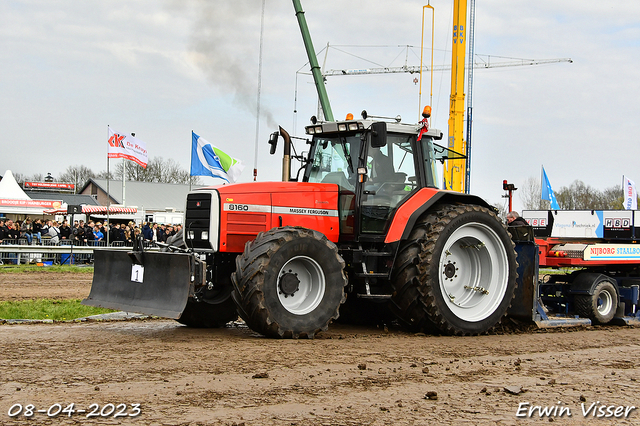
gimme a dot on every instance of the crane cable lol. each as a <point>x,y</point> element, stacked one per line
<point>428,6</point>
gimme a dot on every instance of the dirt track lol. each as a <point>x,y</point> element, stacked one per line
<point>346,376</point>
<point>44,285</point>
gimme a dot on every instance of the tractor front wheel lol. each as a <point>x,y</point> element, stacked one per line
<point>289,283</point>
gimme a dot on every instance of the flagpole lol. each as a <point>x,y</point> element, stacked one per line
<point>255,160</point>
<point>541,184</point>
<point>124,165</point>
<point>108,221</point>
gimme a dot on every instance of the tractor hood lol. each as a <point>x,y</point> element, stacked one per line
<point>238,212</point>
<point>269,187</point>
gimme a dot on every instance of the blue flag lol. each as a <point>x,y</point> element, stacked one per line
<point>547,192</point>
<point>208,160</point>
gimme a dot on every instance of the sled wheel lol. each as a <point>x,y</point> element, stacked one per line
<point>289,283</point>
<point>206,315</point>
<point>602,305</point>
<point>456,273</point>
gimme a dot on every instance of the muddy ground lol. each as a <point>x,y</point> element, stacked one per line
<point>44,285</point>
<point>346,376</point>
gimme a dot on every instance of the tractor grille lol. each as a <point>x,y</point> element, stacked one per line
<point>198,220</point>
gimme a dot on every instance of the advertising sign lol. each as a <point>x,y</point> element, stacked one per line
<point>49,185</point>
<point>577,224</point>
<point>48,204</point>
<point>612,252</point>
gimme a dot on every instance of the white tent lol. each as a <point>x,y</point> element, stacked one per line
<point>9,188</point>
<point>13,200</point>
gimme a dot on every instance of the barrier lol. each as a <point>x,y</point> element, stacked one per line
<point>16,253</point>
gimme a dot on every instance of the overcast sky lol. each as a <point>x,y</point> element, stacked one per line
<point>164,68</point>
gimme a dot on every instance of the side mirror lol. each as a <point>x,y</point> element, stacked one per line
<point>273,141</point>
<point>378,134</point>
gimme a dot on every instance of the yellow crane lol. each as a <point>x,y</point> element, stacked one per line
<point>455,169</point>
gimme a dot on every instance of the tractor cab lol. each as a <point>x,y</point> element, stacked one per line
<point>377,165</point>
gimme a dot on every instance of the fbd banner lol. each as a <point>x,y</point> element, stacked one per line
<point>630,194</point>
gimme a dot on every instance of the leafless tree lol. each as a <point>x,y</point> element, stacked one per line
<point>103,175</point>
<point>579,196</point>
<point>20,178</point>
<point>613,198</point>
<point>157,170</point>
<point>530,195</point>
<point>78,175</point>
<point>501,211</point>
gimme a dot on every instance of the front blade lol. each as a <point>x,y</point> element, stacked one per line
<point>163,290</point>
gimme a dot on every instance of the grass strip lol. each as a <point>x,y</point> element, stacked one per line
<point>57,310</point>
<point>13,269</point>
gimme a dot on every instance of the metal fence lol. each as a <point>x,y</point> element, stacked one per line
<point>18,252</point>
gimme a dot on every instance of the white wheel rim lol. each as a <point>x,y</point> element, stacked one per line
<point>311,286</point>
<point>605,302</point>
<point>473,272</point>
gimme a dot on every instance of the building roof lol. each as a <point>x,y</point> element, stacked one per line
<point>149,196</point>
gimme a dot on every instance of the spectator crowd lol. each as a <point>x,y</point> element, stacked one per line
<point>90,233</point>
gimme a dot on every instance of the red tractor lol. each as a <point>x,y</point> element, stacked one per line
<point>361,231</point>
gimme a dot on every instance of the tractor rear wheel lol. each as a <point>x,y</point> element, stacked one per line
<point>289,283</point>
<point>456,273</point>
<point>601,306</point>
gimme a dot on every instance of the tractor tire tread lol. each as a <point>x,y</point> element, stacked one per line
<point>249,280</point>
<point>414,300</point>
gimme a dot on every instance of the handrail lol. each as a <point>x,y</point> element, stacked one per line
<point>30,253</point>
<point>17,248</point>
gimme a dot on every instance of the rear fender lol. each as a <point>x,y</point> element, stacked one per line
<point>411,210</point>
<point>586,282</point>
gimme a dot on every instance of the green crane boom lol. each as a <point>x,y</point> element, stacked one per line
<point>313,61</point>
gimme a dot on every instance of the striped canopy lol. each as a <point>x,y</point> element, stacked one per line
<point>96,210</point>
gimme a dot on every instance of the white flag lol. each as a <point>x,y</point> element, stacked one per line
<point>121,145</point>
<point>630,194</point>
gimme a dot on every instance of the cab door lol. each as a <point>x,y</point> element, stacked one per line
<point>391,179</point>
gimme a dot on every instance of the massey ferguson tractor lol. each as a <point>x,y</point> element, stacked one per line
<point>360,231</point>
<point>361,228</point>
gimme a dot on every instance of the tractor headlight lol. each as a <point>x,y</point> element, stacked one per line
<point>318,129</point>
<point>353,126</point>
<point>190,235</point>
<point>204,235</point>
<point>342,127</point>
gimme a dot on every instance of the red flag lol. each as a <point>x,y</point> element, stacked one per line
<point>425,128</point>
